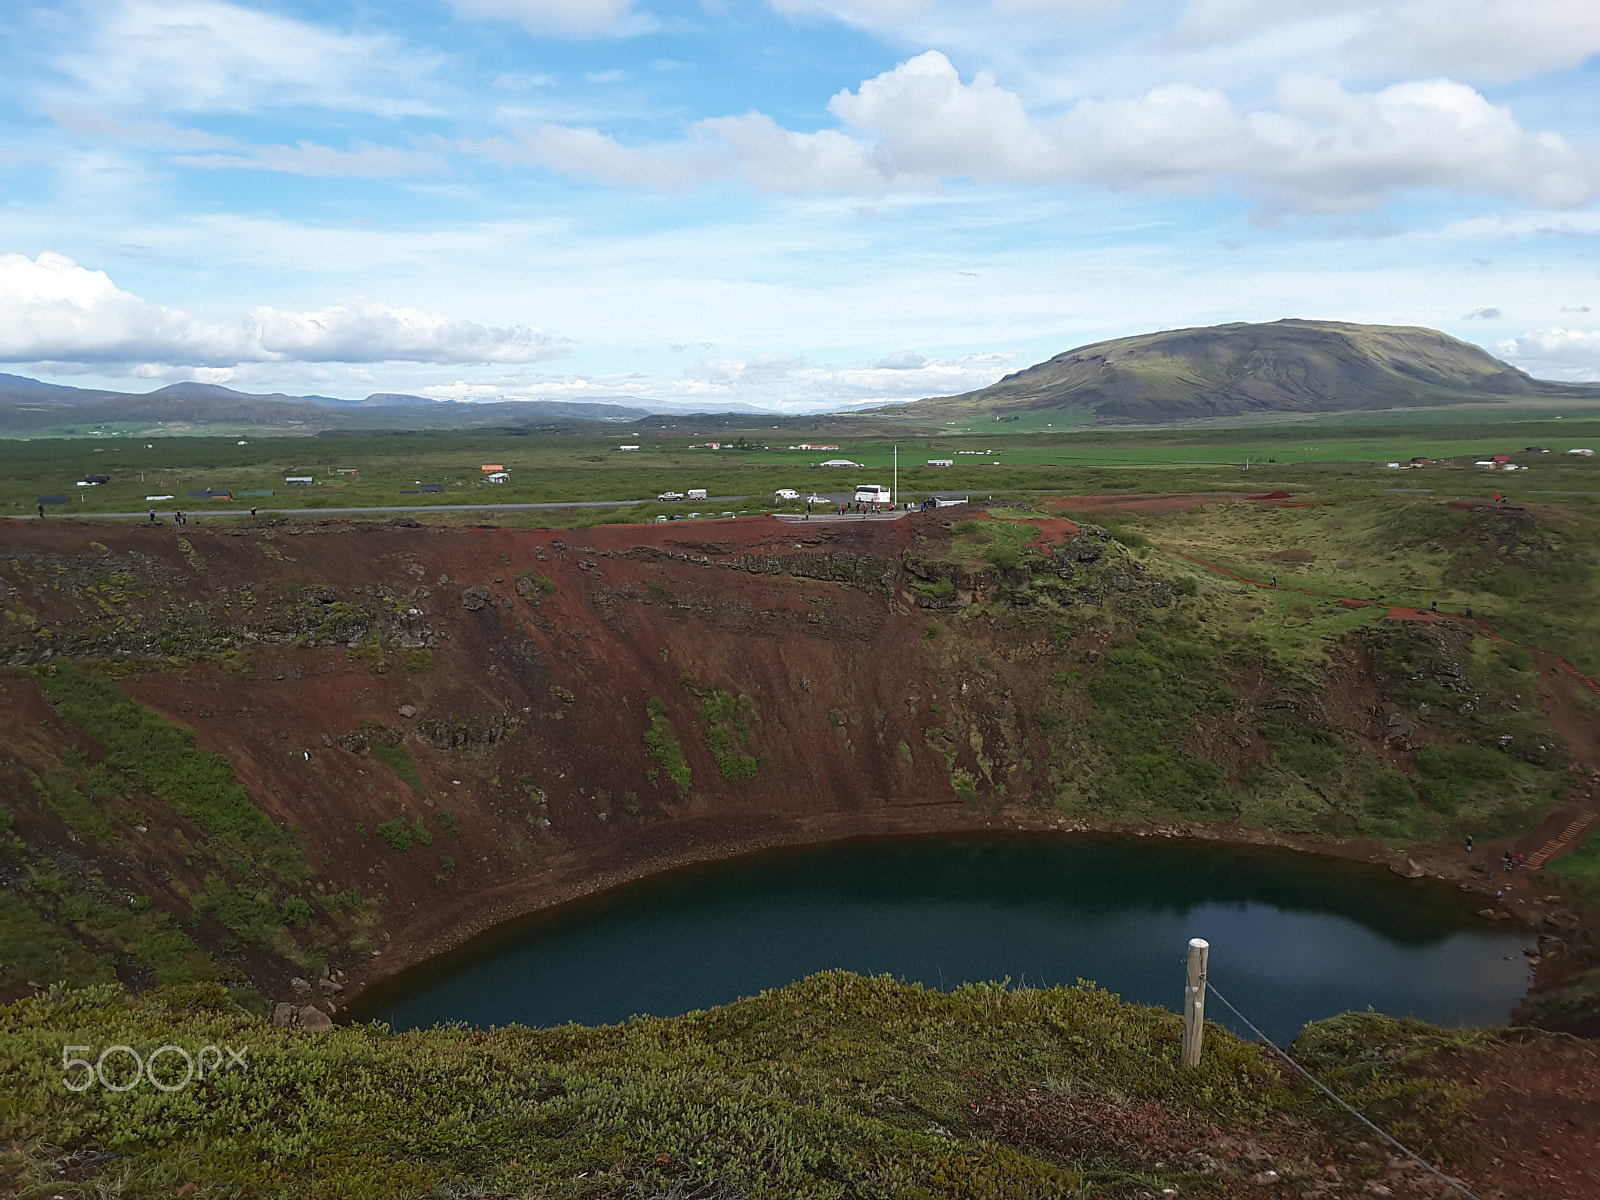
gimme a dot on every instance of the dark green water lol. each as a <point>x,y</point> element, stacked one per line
<point>1293,938</point>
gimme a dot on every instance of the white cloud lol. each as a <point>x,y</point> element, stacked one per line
<point>561,17</point>
<point>910,16</point>
<point>1570,354</point>
<point>931,125</point>
<point>1483,314</point>
<point>212,56</point>
<point>1317,148</point>
<point>54,311</point>
<point>1487,40</point>
<point>1492,40</point>
<point>775,159</point>
<point>369,331</point>
<point>902,360</point>
<point>365,161</point>
<point>784,382</point>
<point>590,154</point>
<point>858,12</point>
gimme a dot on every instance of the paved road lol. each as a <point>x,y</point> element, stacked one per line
<point>164,511</point>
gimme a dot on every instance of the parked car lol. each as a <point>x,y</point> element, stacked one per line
<point>668,497</point>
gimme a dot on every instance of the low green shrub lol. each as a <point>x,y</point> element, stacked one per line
<point>397,833</point>
<point>160,756</point>
<point>663,746</point>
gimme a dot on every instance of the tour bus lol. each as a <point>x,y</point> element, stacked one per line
<point>873,493</point>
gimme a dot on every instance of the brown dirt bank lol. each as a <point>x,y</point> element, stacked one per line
<point>485,696</point>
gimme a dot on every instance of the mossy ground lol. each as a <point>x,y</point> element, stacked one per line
<point>833,1087</point>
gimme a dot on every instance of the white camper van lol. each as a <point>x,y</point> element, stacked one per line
<point>873,493</point>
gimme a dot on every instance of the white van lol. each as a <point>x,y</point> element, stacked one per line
<point>697,493</point>
<point>784,495</point>
<point>873,493</point>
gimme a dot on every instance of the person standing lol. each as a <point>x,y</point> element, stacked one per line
<point>152,516</point>
<point>252,512</point>
<point>41,512</point>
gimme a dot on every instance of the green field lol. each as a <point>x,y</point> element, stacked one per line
<point>382,468</point>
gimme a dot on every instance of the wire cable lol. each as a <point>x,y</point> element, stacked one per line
<point>1322,1087</point>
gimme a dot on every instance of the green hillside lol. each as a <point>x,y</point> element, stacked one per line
<point>1240,369</point>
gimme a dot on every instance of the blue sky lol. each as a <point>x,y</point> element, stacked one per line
<point>795,204</point>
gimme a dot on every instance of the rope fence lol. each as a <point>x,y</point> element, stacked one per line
<point>1455,1184</point>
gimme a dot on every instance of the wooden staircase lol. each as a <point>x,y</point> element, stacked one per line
<point>1559,844</point>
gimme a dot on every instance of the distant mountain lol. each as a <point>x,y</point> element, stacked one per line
<point>211,391</point>
<point>392,400</point>
<point>27,405</point>
<point>19,389</point>
<point>1234,370</point>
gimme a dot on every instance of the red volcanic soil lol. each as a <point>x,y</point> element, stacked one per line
<point>1536,1112</point>
<point>529,723</point>
<point>526,717</point>
<point>1162,502</point>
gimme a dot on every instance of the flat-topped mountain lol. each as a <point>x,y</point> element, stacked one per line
<point>1289,366</point>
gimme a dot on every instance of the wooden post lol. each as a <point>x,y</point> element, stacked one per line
<point>1194,1001</point>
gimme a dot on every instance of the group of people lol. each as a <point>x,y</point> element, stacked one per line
<point>1509,862</point>
<point>179,517</point>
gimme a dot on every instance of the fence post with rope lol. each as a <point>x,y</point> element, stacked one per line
<point>1194,1002</point>
<point>1194,1008</point>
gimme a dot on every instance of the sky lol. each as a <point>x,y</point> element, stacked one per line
<point>800,205</point>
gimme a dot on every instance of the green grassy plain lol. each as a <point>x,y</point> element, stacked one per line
<point>990,457</point>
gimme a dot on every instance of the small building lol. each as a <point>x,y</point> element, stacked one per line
<point>299,480</point>
<point>839,462</point>
<point>499,477</point>
<point>491,468</point>
<point>1417,463</point>
<point>356,471</point>
<point>627,447</point>
<point>941,462</point>
<point>1485,462</point>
